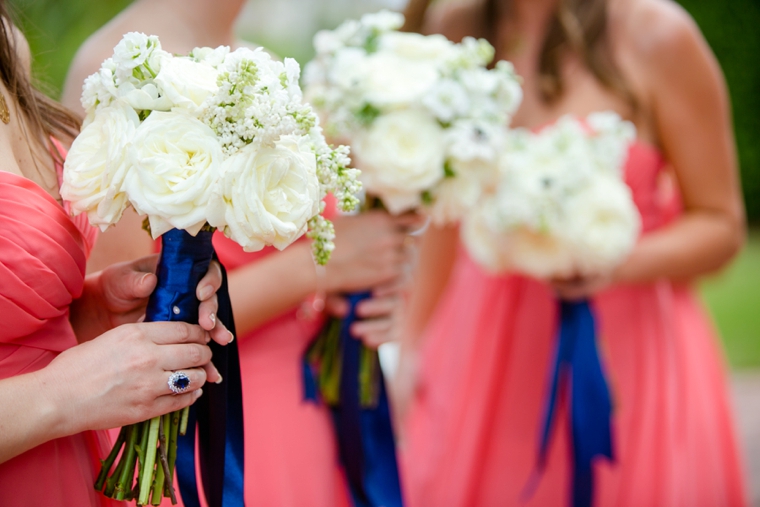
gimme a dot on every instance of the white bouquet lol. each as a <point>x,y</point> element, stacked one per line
<point>424,116</point>
<point>215,137</point>
<point>561,207</point>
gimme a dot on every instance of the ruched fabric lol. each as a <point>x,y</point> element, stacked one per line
<point>472,434</point>
<point>43,252</point>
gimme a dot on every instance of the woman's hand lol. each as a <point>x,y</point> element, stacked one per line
<point>116,379</point>
<point>380,315</point>
<point>119,295</point>
<point>370,250</point>
<point>581,287</point>
<point>122,376</point>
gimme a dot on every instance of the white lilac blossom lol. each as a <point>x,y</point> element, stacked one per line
<point>425,117</point>
<point>180,137</point>
<point>560,207</point>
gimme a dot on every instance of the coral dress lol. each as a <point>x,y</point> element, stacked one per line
<point>291,455</point>
<point>473,430</point>
<point>42,265</point>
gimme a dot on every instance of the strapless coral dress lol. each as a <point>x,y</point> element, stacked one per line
<point>42,264</point>
<point>472,432</point>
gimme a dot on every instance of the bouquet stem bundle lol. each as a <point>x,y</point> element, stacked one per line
<point>147,453</point>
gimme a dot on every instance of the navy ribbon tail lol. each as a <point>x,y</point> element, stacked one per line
<point>217,417</point>
<point>577,361</point>
<point>366,443</point>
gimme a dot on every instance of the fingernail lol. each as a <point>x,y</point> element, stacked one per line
<point>212,317</point>
<point>206,292</point>
<point>198,393</point>
<point>232,337</point>
<point>144,278</point>
<point>219,380</point>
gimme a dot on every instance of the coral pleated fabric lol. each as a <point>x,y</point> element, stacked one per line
<point>473,430</point>
<point>291,455</point>
<point>42,263</point>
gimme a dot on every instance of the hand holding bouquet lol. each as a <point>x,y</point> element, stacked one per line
<point>214,139</point>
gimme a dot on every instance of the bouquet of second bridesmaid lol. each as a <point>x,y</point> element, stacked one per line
<point>215,139</point>
<point>426,120</point>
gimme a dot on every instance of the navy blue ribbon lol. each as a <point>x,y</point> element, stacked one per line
<point>218,414</point>
<point>577,362</point>
<point>366,444</point>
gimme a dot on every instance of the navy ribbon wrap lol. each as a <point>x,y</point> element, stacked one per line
<point>577,362</point>
<point>366,443</point>
<point>217,416</point>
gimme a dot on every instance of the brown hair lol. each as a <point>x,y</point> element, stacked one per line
<point>577,26</point>
<point>43,116</point>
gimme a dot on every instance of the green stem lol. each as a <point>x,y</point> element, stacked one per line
<point>369,377</point>
<point>163,454</point>
<point>111,481</point>
<point>183,422</point>
<point>146,480</point>
<point>105,465</point>
<point>173,433</point>
<point>124,484</point>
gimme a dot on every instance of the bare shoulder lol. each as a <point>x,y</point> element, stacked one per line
<point>662,35</point>
<point>455,19</point>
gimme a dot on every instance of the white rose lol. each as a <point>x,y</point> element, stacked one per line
<point>401,155</point>
<point>453,197</point>
<point>602,224</point>
<point>96,165</point>
<point>267,195</point>
<point>390,80</point>
<point>176,161</point>
<point>413,46</point>
<point>484,242</point>
<point>186,83</point>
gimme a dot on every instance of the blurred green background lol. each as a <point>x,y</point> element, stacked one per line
<point>56,28</point>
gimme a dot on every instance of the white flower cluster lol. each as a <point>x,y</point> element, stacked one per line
<point>560,208</point>
<point>215,137</point>
<point>425,117</point>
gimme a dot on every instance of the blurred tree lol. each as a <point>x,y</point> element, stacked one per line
<point>730,27</point>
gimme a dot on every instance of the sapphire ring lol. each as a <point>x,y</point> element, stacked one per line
<point>179,382</point>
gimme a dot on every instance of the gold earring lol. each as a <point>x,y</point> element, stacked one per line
<point>5,114</point>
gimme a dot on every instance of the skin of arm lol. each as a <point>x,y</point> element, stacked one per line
<point>691,115</point>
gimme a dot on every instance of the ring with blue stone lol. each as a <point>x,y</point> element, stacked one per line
<point>179,382</point>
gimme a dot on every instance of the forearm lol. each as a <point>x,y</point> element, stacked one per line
<point>437,255</point>
<point>29,415</point>
<point>696,244</point>
<point>265,289</point>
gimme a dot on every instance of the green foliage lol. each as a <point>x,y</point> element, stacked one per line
<point>734,299</point>
<point>56,28</point>
<point>731,29</point>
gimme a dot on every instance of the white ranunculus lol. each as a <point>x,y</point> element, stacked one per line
<point>401,155</point>
<point>186,83</point>
<point>389,80</point>
<point>96,165</point>
<point>175,166</point>
<point>267,195</point>
<point>602,224</point>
